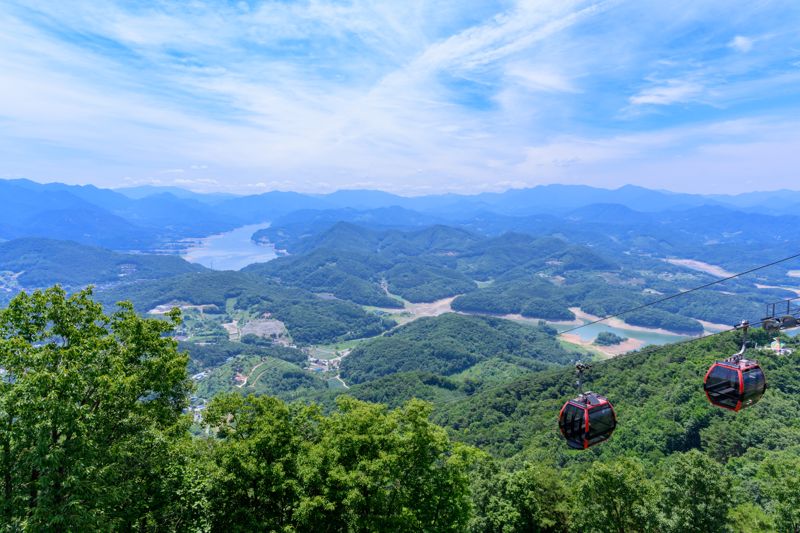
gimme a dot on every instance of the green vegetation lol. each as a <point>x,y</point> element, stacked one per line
<point>44,262</point>
<point>262,375</point>
<point>308,318</point>
<point>420,282</point>
<point>347,276</point>
<point>211,355</point>
<point>540,297</point>
<point>449,344</point>
<point>607,338</point>
<point>92,437</point>
<point>90,415</point>
<point>352,262</point>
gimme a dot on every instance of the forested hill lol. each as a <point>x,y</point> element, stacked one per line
<point>661,407</point>
<point>674,464</point>
<point>44,262</point>
<point>451,343</point>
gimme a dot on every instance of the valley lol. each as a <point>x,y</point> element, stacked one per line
<point>232,250</point>
<point>474,315</point>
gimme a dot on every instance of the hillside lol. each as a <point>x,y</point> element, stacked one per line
<point>353,262</point>
<point>660,403</point>
<point>44,262</point>
<point>497,463</point>
<point>229,295</point>
<point>449,344</point>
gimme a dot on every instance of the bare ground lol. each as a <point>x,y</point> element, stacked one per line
<point>609,351</point>
<point>701,266</point>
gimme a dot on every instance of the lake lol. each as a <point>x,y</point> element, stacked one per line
<point>589,333</point>
<point>232,250</point>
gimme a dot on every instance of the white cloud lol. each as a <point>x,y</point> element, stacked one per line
<point>741,43</point>
<point>535,78</point>
<point>322,94</point>
<point>671,92</point>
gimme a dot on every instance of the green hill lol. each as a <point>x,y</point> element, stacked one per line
<point>103,408</point>
<point>309,318</point>
<point>451,343</point>
<point>44,262</point>
<point>660,403</point>
<point>352,263</point>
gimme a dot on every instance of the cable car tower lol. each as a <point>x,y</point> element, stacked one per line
<point>737,382</point>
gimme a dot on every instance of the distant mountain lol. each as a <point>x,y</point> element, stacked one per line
<point>102,217</point>
<point>564,198</point>
<point>363,199</point>
<point>615,214</point>
<point>767,202</point>
<point>628,218</point>
<point>143,191</point>
<point>269,206</point>
<point>289,231</point>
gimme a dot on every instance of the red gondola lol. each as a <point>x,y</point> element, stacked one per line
<point>587,420</point>
<point>735,383</point>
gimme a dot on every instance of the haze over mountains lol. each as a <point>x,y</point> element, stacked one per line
<point>148,218</point>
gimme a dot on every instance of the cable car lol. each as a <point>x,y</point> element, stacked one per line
<point>587,420</point>
<point>734,383</point>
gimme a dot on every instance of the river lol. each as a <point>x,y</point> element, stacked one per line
<point>232,250</point>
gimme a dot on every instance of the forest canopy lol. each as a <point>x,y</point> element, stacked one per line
<point>93,436</point>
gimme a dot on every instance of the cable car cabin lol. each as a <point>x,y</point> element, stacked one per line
<point>587,420</point>
<point>734,384</point>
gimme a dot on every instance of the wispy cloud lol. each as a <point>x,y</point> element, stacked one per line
<point>461,95</point>
<point>673,91</point>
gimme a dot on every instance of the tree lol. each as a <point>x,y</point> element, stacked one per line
<point>374,470</point>
<point>256,486</point>
<point>88,407</point>
<point>779,477</point>
<point>615,497</point>
<point>696,493</point>
<point>532,498</point>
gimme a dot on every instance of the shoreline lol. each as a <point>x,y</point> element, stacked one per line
<point>613,350</point>
<point>618,323</point>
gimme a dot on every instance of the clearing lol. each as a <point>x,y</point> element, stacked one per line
<point>701,266</point>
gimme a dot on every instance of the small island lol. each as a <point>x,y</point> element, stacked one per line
<point>606,338</point>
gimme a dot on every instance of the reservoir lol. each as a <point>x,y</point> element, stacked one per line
<point>232,250</point>
<point>589,333</point>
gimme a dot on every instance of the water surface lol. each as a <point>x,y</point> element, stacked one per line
<point>232,250</point>
<point>589,333</point>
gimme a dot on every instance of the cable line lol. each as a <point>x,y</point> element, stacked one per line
<point>670,297</point>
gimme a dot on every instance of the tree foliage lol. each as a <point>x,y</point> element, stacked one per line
<point>88,406</point>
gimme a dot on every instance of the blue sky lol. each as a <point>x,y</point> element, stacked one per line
<point>407,96</point>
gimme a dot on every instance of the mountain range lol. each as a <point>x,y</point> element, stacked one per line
<point>156,218</point>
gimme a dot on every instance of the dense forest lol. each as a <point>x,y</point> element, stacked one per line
<point>93,435</point>
<point>449,344</point>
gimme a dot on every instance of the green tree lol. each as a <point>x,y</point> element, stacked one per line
<point>89,406</point>
<point>779,477</point>
<point>256,485</point>
<point>615,497</point>
<point>750,518</point>
<point>696,494</point>
<point>375,470</point>
<point>532,498</point>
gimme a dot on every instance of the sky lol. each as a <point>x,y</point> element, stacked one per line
<point>411,96</point>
